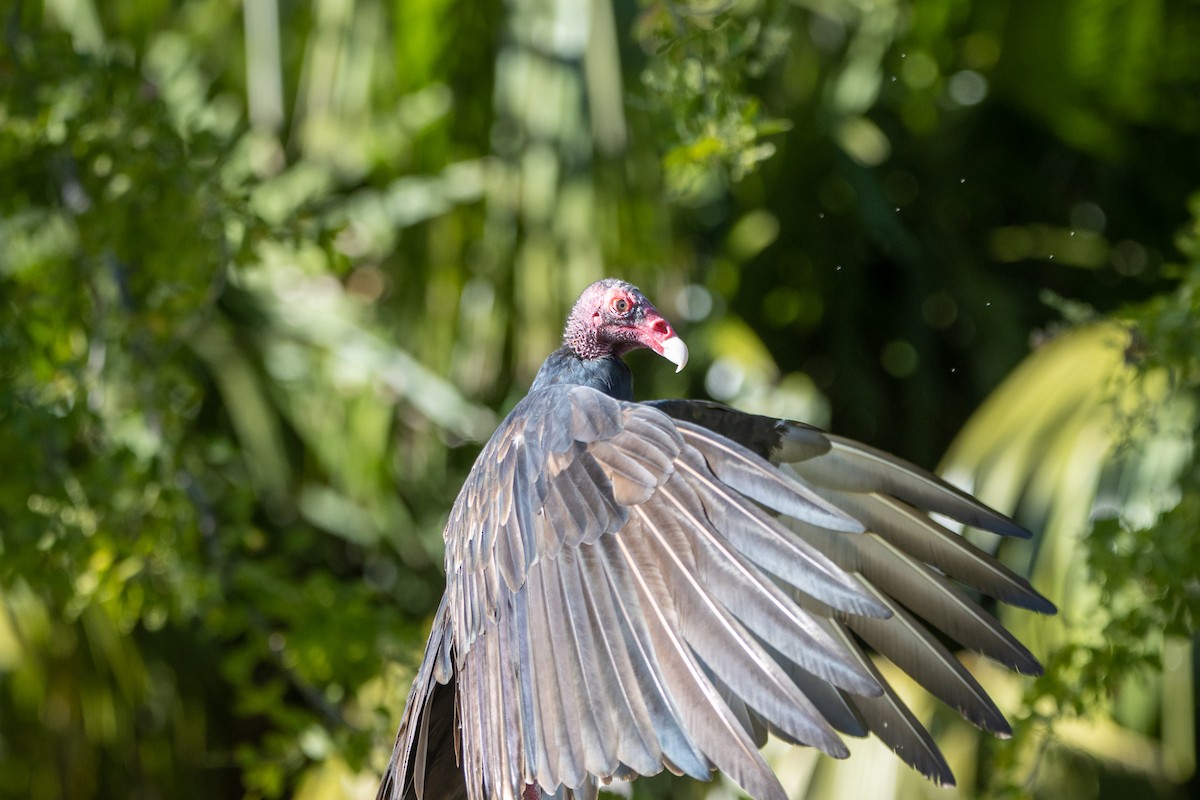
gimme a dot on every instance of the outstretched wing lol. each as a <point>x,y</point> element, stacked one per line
<point>629,589</point>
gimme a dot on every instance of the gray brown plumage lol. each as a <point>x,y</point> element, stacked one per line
<point>640,586</point>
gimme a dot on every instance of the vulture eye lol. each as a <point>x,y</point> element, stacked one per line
<point>620,305</point>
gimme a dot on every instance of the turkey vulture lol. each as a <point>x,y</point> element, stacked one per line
<point>639,586</point>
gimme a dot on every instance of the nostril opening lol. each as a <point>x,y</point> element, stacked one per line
<point>661,327</point>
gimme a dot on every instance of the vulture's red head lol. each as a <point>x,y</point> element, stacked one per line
<point>612,317</point>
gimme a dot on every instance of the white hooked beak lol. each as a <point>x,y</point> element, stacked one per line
<point>675,351</point>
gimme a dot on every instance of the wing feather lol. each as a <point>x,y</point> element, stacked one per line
<point>705,716</point>
<point>680,753</point>
<point>853,467</point>
<point>893,722</point>
<point>561,738</point>
<point>917,535</point>
<point>615,694</point>
<point>580,677</point>
<point>907,644</point>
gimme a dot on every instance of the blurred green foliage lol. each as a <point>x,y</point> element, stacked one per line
<point>268,270</point>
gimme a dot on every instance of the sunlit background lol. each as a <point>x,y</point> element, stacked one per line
<point>271,270</point>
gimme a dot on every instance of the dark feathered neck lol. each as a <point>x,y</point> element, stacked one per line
<point>606,374</point>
